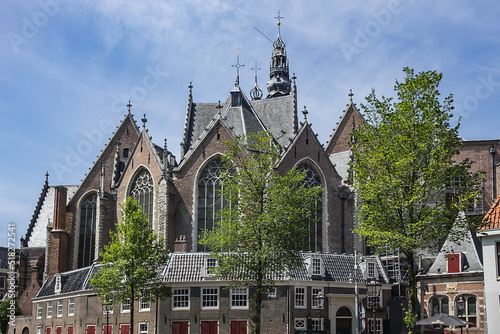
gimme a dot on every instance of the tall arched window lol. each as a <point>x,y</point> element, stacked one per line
<point>209,197</point>
<point>142,192</point>
<point>467,309</point>
<point>312,179</point>
<point>86,244</point>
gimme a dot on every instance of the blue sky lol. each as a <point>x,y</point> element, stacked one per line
<point>68,69</point>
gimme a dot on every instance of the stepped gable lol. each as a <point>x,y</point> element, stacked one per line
<point>37,230</point>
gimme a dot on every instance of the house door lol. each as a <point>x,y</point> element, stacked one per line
<point>180,327</point>
<point>209,327</point>
<point>238,327</point>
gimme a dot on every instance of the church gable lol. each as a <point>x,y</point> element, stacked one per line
<point>339,140</point>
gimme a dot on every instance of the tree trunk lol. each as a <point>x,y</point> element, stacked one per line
<point>132,309</point>
<point>412,293</point>
<point>258,311</point>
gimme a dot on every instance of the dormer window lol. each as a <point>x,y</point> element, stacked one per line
<point>316,267</point>
<point>371,270</point>
<point>209,266</point>
<point>58,285</point>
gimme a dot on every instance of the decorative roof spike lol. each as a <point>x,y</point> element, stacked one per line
<point>256,93</point>
<point>305,112</point>
<point>47,177</point>
<point>219,108</point>
<point>237,65</point>
<point>190,87</point>
<point>350,95</point>
<point>129,105</point>
<point>144,120</point>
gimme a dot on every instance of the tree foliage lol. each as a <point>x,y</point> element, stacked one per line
<point>133,262</point>
<point>406,172</point>
<point>264,221</point>
<point>8,308</point>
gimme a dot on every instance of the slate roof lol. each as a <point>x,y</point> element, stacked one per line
<point>492,217</point>
<point>252,115</point>
<point>71,281</point>
<point>469,246</point>
<point>37,230</point>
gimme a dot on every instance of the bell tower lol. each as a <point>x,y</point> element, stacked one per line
<point>279,83</point>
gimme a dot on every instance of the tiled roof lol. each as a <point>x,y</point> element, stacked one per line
<point>492,217</point>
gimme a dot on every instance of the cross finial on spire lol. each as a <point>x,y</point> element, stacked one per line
<point>219,107</point>
<point>350,95</point>
<point>165,146</point>
<point>279,17</point>
<point>190,86</point>
<point>129,105</point>
<point>47,176</point>
<point>237,65</point>
<point>305,112</point>
<point>256,69</point>
<point>144,120</point>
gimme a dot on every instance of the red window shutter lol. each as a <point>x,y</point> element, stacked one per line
<point>124,329</point>
<point>243,327</point>
<point>108,329</point>
<point>59,330</point>
<point>90,329</point>
<point>213,327</point>
<point>205,327</point>
<point>47,330</point>
<point>184,327</point>
<point>70,329</point>
<point>176,328</point>
<point>453,263</point>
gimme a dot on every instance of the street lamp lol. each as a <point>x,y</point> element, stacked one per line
<point>374,288</point>
<point>106,304</point>
<point>461,306</point>
<point>319,297</point>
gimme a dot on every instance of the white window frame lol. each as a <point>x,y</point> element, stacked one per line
<point>239,296</point>
<point>315,324</point>
<point>142,330</point>
<point>38,329</point>
<point>181,298</point>
<point>370,269</point>
<point>57,285</point>
<point>144,306</point>
<point>125,306</point>
<point>379,326</point>
<point>49,309</point>
<point>316,303</point>
<point>317,266</point>
<point>210,263</point>
<point>60,307</point>
<point>300,291</point>
<point>369,300</point>
<point>302,322</point>
<point>71,307</point>
<point>273,293</point>
<point>205,298</point>
<point>39,310</point>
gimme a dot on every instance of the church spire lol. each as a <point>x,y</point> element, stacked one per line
<point>279,83</point>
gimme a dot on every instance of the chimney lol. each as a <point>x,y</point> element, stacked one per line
<point>60,196</point>
<point>180,244</point>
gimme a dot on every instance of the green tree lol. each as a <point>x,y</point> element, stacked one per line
<point>406,172</point>
<point>7,308</point>
<point>264,220</point>
<point>133,262</point>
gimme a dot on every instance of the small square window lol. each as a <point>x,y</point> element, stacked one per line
<point>210,297</point>
<point>210,265</point>
<point>180,298</point>
<point>371,269</point>
<point>316,266</point>
<point>239,298</point>
<point>125,306</point>
<point>300,323</point>
<point>144,305</point>
<point>125,152</point>
<point>317,298</point>
<point>108,309</point>
<point>273,293</point>
<point>143,328</point>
